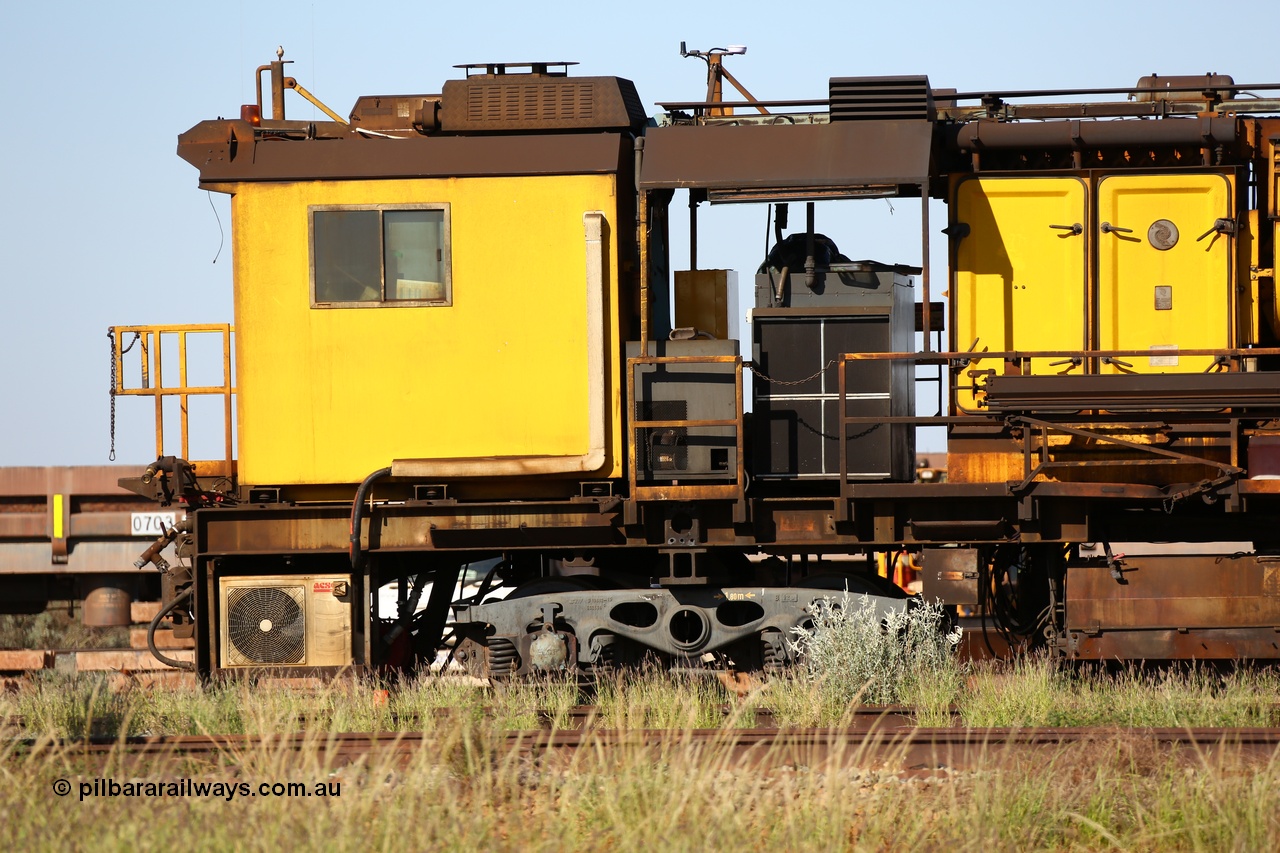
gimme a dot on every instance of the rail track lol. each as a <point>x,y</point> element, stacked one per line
<point>592,717</point>
<point>886,746</point>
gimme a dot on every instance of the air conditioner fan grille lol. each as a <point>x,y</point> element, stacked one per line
<point>266,625</point>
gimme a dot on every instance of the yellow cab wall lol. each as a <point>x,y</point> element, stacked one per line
<point>327,395</point>
<point>1018,283</point>
<point>1264,255</point>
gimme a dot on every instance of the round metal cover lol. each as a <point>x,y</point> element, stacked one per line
<point>1163,234</point>
<point>265,625</point>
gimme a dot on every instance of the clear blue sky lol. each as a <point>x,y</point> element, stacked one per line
<point>103,223</point>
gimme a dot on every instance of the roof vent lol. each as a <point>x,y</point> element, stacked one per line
<point>496,100</point>
<point>500,69</point>
<point>881,99</point>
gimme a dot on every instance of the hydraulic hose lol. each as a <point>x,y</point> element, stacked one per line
<point>357,514</point>
<point>155,623</point>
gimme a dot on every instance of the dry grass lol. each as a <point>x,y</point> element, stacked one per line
<point>652,699</point>
<point>463,791</point>
<point>460,792</point>
<point>1035,691</point>
<point>1026,692</point>
<point>82,705</point>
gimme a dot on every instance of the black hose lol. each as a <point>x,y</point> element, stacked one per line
<point>155,623</point>
<point>408,608</point>
<point>357,515</point>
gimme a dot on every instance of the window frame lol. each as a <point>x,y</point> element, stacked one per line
<point>446,241</point>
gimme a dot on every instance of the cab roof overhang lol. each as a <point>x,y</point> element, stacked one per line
<point>840,159</point>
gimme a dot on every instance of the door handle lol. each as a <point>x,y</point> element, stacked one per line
<point>1220,226</point>
<point>1107,228</point>
<point>1074,228</point>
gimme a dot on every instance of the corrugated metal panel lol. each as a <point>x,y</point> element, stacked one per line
<point>526,102</point>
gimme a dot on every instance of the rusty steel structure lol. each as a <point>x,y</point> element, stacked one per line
<point>72,534</point>
<point>1109,379</point>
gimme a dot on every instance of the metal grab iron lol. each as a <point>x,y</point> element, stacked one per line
<point>1220,226</point>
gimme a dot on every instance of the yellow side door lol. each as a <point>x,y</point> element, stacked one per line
<point>1159,287</point>
<point>1018,272</point>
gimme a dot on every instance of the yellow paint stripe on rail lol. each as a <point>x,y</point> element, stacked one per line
<point>57,516</point>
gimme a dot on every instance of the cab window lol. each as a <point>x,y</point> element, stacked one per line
<point>390,255</point>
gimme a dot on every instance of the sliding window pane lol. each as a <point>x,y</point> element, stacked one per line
<point>347,248</point>
<point>414,258</point>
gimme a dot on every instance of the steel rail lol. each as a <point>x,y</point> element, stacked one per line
<point>861,718</point>
<point>905,746</point>
<point>590,716</point>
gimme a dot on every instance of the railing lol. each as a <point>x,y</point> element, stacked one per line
<point>728,491</point>
<point>149,342</point>
<point>1240,388</point>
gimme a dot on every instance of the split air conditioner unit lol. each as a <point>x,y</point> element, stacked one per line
<point>285,621</point>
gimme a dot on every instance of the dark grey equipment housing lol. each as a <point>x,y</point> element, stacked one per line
<point>799,332</point>
<point>686,392</point>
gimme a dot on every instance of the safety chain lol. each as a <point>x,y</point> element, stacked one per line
<point>111,337</point>
<point>866,432</point>
<point>767,378</point>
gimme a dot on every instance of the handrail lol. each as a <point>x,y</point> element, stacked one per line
<point>1020,362</point>
<point>1020,355</point>
<point>734,491</point>
<point>151,341</point>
